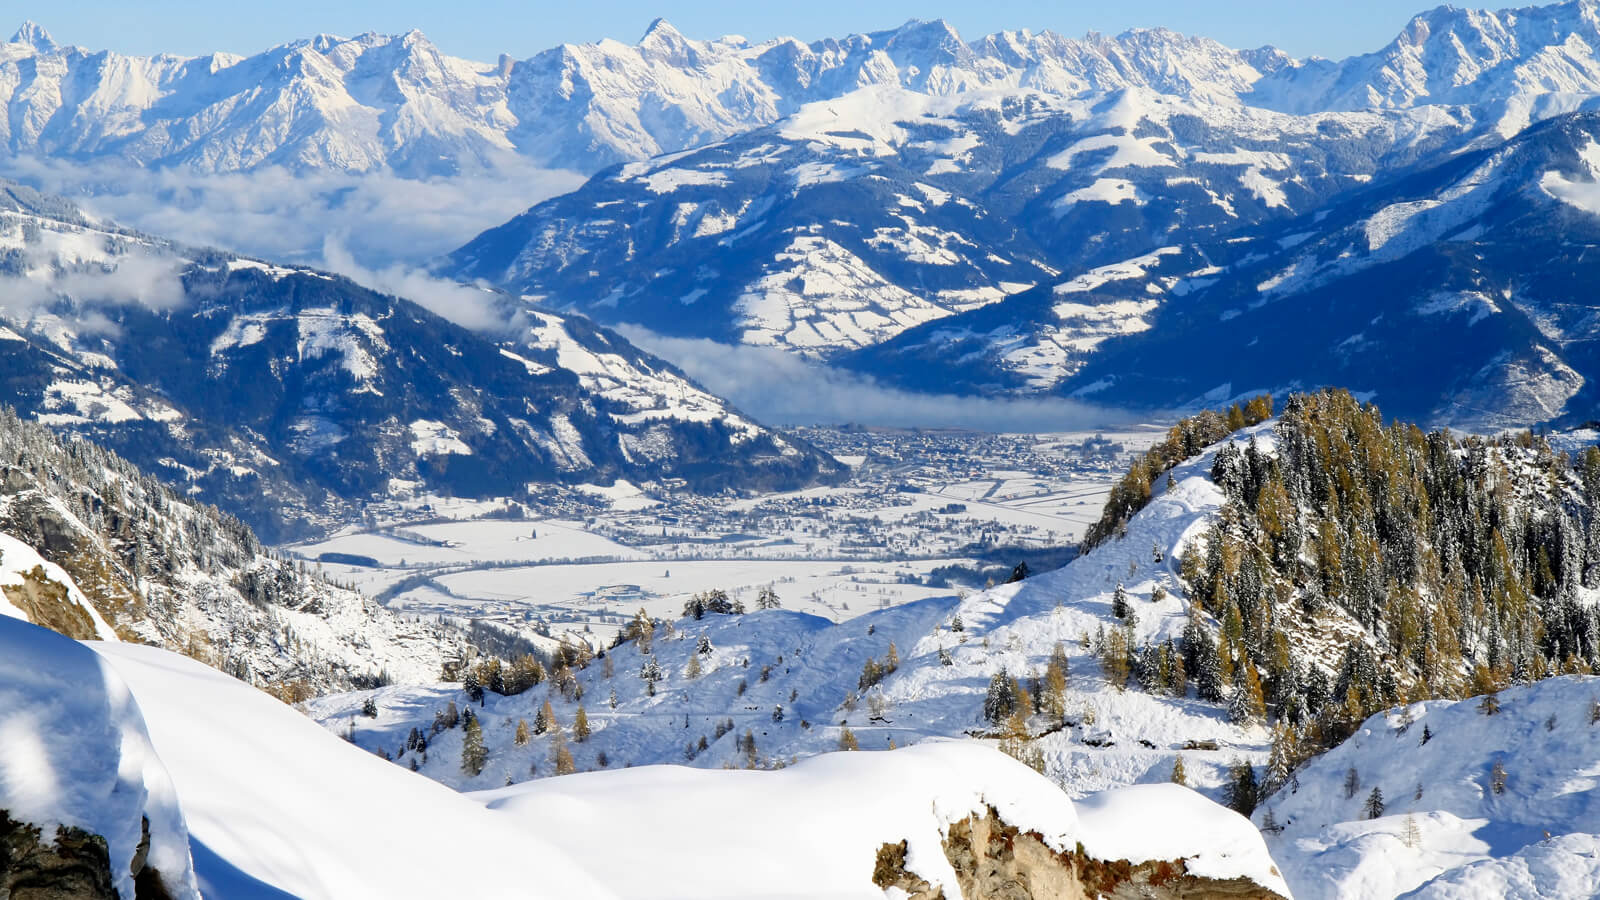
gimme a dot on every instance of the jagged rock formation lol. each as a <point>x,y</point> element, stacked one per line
<point>73,866</point>
<point>997,861</point>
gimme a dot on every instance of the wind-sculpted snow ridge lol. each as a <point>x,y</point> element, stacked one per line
<point>825,820</point>
<point>75,755</point>
<point>1469,802</point>
<point>275,803</point>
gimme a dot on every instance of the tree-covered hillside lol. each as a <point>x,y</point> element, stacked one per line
<point>1358,564</point>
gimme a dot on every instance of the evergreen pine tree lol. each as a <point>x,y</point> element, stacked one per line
<point>1001,700</point>
<point>1119,603</point>
<point>1373,808</point>
<point>473,753</point>
<point>1242,792</point>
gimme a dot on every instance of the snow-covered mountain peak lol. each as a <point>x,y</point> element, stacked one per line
<point>925,36</point>
<point>664,43</point>
<point>34,35</point>
<point>1509,58</point>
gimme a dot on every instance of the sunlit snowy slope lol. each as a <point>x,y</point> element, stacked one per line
<point>1470,803</point>
<point>276,807</point>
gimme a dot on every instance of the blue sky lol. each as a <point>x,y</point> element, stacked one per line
<point>482,29</point>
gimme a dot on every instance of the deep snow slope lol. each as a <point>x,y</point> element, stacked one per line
<point>1445,830</point>
<point>273,801</point>
<point>75,753</point>
<point>813,830</point>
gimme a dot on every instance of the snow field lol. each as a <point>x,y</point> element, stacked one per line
<point>1534,837</point>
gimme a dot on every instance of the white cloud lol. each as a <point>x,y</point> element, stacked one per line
<point>89,272</point>
<point>467,306</point>
<point>779,388</point>
<point>380,218</point>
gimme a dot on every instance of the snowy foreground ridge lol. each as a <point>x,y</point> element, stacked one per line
<point>273,803</point>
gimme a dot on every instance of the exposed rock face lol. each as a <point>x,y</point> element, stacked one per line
<point>995,861</point>
<point>77,866</point>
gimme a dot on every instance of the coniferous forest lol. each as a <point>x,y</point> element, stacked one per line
<point>1359,564</point>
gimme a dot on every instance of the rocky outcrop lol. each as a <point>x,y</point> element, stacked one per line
<point>996,861</point>
<point>76,866</point>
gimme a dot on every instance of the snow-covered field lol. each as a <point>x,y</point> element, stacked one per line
<point>919,508</point>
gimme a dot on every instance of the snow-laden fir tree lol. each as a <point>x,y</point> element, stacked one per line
<point>1001,700</point>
